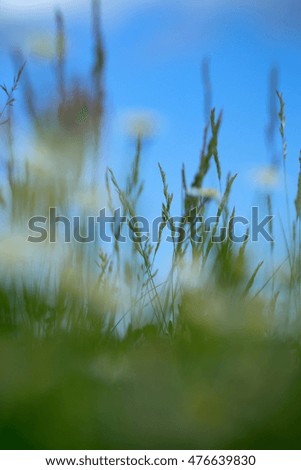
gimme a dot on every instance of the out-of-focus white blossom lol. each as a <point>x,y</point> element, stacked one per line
<point>88,199</point>
<point>140,123</point>
<point>41,46</point>
<point>266,177</point>
<point>17,254</point>
<point>208,193</point>
<point>44,164</point>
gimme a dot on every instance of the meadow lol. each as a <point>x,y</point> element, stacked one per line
<point>99,350</point>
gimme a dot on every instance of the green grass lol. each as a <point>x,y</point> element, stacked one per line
<point>97,350</point>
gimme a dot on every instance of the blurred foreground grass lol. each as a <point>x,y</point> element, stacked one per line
<point>96,351</point>
<point>202,390</point>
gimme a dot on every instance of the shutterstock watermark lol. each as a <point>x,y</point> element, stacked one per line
<point>139,229</point>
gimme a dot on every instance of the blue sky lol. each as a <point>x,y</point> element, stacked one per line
<point>154,53</point>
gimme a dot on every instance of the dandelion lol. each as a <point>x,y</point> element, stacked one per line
<point>140,123</point>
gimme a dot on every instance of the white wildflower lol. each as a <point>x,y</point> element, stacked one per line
<point>43,164</point>
<point>17,254</point>
<point>266,177</point>
<point>142,123</point>
<point>41,46</point>
<point>88,199</point>
<point>208,193</point>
